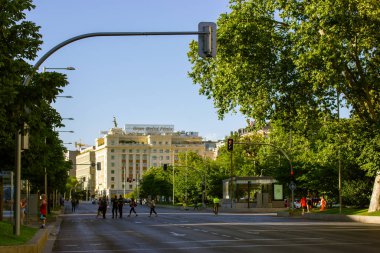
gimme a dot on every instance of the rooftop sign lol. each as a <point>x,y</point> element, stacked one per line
<point>149,129</point>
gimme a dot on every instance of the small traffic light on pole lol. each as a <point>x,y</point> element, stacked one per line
<point>207,40</point>
<point>230,144</point>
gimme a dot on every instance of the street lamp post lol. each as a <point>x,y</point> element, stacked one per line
<point>66,68</point>
<point>64,96</point>
<point>207,48</point>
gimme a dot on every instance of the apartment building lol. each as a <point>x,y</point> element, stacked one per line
<point>85,170</point>
<point>125,154</point>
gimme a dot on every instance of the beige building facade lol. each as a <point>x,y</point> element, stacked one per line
<point>124,155</point>
<point>85,170</point>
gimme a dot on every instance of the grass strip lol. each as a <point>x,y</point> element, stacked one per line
<point>7,237</point>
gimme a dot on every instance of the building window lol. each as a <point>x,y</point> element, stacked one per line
<point>112,178</point>
<point>167,157</point>
<point>112,164</point>
<point>130,187</point>
<point>154,150</point>
<point>131,151</point>
<point>161,151</point>
<point>167,142</point>
<point>112,150</point>
<point>123,150</point>
<point>167,151</point>
<point>112,186</point>
<point>112,157</point>
<point>112,172</point>
<point>159,143</point>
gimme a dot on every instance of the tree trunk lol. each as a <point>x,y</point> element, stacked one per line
<point>375,199</point>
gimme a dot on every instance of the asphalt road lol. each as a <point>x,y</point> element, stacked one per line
<point>201,231</point>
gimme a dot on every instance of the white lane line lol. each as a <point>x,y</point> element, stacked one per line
<point>176,234</point>
<point>241,240</point>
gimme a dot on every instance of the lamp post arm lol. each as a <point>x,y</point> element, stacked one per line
<point>99,34</point>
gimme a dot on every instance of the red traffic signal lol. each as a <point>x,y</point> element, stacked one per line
<point>230,144</point>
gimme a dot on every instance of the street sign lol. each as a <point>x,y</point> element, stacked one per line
<point>292,186</point>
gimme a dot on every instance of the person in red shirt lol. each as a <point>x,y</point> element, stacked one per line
<point>323,204</point>
<point>43,210</point>
<point>303,205</point>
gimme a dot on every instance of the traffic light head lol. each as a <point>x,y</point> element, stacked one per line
<point>207,40</point>
<point>230,144</point>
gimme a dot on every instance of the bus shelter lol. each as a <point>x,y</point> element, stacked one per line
<point>252,192</point>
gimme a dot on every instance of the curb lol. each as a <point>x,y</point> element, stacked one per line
<point>335,217</point>
<point>36,245</point>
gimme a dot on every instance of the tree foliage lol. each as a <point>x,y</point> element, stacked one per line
<point>282,59</point>
<point>19,104</point>
<point>155,182</point>
<point>288,62</point>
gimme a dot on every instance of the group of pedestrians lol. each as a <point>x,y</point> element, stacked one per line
<point>117,207</point>
<point>307,204</point>
<point>74,204</point>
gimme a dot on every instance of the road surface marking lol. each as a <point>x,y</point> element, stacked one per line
<point>176,234</point>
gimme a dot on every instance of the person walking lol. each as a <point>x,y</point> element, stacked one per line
<point>114,202</point>
<point>195,204</point>
<point>23,205</point>
<point>309,204</point>
<point>73,205</point>
<point>99,207</point>
<point>152,206</point>
<point>323,204</point>
<point>120,204</point>
<point>104,206</point>
<point>132,204</point>
<point>43,210</point>
<point>216,205</point>
<point>303,204</point>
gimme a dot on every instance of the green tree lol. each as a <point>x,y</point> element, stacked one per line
<point>286,61</point>
<point>19,43</point>
<point>155,182</point>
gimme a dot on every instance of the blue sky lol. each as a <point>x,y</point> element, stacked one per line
<point>139,80</point>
